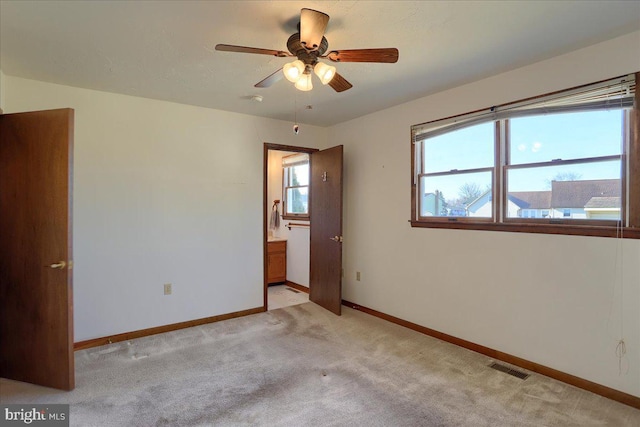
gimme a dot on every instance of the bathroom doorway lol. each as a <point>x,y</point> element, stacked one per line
<point>321,270</point>
<point>287,225</point>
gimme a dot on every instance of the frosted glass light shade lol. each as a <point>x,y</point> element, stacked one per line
<point>324,72</point>
<point>304,83</point>
<point>293,70</point>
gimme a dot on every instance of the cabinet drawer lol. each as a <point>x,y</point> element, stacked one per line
<point>277,246</point>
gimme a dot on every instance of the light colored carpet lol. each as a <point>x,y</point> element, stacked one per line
<point>303,366</point>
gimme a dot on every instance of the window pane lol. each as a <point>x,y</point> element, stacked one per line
<point>467,148</point>
<point>581,191</point>
<point>298,200</point>
<point>298,175</point>
<point>466,194</point>
<point>565,136</point>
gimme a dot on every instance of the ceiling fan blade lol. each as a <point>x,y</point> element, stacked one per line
<point>244,49</point>
<point>388,55</point>
<point>312,27</point>
<point>273,78</point>
<point>339,84</point>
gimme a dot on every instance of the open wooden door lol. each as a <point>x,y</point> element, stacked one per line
<point>325,278</point>
<point>36,300</point>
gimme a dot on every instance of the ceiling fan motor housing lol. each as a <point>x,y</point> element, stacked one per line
<point>309,57</point>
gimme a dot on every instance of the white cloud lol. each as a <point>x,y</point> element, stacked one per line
<point>522,147</point>
<point>536,147</point>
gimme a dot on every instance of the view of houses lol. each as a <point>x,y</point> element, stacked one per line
<point>583,199</point>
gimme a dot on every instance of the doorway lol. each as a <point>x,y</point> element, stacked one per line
<point>324,202</point>
<point>287,225</point>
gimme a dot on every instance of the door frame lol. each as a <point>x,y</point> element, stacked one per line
<point>265,204</point>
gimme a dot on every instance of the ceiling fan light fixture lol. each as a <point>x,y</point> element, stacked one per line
<point>304,83</point>
<point>293,70</point>
<point>324,72</point>
<point>308,45</point>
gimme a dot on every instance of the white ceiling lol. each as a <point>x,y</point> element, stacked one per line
<point>165,49</point>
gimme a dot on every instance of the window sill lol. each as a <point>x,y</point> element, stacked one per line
<point>566,229</point>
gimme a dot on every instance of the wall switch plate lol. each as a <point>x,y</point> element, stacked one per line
<point>358,276</point>
<point>167,288</point>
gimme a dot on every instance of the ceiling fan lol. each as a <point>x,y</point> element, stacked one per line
<point>308,45</point>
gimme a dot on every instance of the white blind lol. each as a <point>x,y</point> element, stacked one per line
<point>295,160</point>
<point>616,93</point>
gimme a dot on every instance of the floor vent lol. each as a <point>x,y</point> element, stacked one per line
<point>507,370</point>
<point>293,290</point>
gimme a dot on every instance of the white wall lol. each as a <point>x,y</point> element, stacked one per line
<point>163,193</point>
<point>553,300</point>
<point>298,252</point>
<point>274,186</point>
<point>298,243</point>
<point>1,90</point>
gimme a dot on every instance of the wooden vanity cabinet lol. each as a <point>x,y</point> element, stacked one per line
<point>276,261</point>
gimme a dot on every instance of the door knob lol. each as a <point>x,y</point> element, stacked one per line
<point>59,265</point>
<point>336,238</point>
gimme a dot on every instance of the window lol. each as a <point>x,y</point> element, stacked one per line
<point>556,164</point>
<point>457,169</point>
<point>295,192</point>
<point>566,162</point>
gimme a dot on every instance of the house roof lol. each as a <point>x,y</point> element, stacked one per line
<point>596,193</point>
<point>603,202</point>
<point>531,199</point>
<point>576,194</point>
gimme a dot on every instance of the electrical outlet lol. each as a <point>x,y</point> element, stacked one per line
<point>167,288</point>
<point>358,276</point>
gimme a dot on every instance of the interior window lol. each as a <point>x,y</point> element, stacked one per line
<point>296,186</point>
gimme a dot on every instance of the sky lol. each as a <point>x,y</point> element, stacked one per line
<point>533,139</point>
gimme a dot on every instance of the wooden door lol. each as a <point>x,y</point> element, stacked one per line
<point>36,300</point>
<point>325,277</point>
